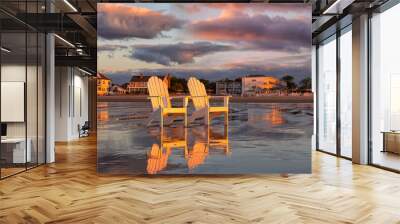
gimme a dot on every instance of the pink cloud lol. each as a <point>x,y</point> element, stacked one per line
<point>117,21</point>
<point>255,30</point>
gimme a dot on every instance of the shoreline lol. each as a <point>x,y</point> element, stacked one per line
<point>235,99</point>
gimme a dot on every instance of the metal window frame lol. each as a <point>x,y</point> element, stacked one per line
<point>339,32</point>
<point>388,5</point>
<point>44,73</point>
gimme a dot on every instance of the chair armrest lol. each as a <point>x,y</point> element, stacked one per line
<point>199,96</point>
<point>226,99</point>
<point>219,96</point>
<point>185,99</point>
<point>178,97</point>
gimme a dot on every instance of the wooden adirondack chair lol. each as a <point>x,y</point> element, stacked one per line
<point>161,103</point>
<point>201,102</point>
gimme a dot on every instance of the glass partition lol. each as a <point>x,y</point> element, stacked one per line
<point>327,95</point>
<point>346,93</point>
<point>13,87</point>
<point>22,88</point>
<point>31,97</point>
<point>385,89</point>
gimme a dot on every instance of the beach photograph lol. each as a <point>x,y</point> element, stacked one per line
<point>219,88</point>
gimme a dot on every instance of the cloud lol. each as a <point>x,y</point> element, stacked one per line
<point>179,53</point>
<point>246,7</point>
<point>110,47</point>
<point>299,72</point>
<point>118,21</point>
<point>258,31</point>
<point>276,63</point>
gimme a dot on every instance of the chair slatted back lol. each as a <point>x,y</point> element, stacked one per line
<point>196,88</point>
<point>157,87</point>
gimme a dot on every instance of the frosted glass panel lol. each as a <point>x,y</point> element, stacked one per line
<point>395,102</point>
<point>346,94</point>
<point>327,97</point>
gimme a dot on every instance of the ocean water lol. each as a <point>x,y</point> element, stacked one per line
<point>259,138</point>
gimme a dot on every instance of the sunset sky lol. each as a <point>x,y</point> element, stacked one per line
<point>211,41</point>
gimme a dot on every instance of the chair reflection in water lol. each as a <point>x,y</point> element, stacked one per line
<point>204,139</point>
<point>157,158</point>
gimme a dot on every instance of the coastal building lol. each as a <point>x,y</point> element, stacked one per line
<point>138,84</point>
<point>103,84</point>
<point>228,87</point>
<point>253,85</point>
<point>117,90</point>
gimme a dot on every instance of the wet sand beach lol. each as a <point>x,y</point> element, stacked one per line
<point>260,138</point>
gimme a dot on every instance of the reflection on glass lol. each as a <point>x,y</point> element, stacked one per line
<point>385,85</point>
<point>15,149</point>
<point>31,97</point>
<point>346,94</point>
<point>327,96</point>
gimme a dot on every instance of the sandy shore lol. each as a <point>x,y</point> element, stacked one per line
<point>247,99</point>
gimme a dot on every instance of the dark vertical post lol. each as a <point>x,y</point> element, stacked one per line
<point>37,89</point>
<point>369,100</point>
<point>338,73</point>
<point>26,86</point>
<point>317,97</point>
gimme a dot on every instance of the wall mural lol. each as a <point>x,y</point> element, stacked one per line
<point>219,88</point>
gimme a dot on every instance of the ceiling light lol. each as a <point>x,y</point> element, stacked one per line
<point>5,50</point>
<point>70,5</point>
<point>65,41</point>
<point>84,71</point>
<point>338,6</point>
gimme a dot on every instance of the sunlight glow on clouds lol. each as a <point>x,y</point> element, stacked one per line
<point>216,40</point>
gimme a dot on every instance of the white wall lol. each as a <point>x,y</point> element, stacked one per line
<point>71,102</point>
<point>12,73</point>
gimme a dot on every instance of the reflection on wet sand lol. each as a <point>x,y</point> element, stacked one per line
<point>263,138</point>
<point>275,116</point>
<point>204,138</point>
<point>102,115</point>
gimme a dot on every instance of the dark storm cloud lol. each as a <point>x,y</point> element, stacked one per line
<point>180,53</point>
<point>257,32</point>
<point>118,21</point>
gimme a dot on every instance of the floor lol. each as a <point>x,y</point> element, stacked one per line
<point>10,171</point>
<point>70,191</point>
